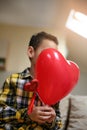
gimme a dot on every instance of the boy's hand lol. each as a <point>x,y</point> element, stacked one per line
<point>42,114</point>
<point>53,116</point>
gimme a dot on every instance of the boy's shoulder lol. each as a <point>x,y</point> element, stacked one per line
<point>22,74</point>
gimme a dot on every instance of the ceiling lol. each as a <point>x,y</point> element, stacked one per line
<point>48,13</point>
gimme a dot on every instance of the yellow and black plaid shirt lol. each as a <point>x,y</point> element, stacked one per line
<point>14,102</point>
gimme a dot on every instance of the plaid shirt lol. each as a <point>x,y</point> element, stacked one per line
<point>14,103</point>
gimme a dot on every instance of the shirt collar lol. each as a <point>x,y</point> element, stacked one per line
<point>26,73</point>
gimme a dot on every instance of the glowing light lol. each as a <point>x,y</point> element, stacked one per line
<point>77,22</point>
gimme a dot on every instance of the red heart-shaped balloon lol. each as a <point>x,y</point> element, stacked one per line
<point>56,76</point>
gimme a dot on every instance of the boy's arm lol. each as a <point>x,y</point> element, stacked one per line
<point>58,121</point>
<point>8,110</point>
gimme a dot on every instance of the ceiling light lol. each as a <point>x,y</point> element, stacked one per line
<point>77,22</point>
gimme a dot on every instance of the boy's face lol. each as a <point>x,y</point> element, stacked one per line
<point>44,45</point>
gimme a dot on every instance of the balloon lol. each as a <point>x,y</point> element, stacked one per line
<point>56,76</point>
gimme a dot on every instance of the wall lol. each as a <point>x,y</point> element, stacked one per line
<point>18,37</point>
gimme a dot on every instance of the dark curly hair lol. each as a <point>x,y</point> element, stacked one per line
<point>36,39</point>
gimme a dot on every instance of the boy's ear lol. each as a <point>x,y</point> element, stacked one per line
<point>30,51</point>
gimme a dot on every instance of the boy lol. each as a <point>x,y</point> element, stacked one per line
<point>14,100</point>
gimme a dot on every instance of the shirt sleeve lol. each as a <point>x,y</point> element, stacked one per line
<point>8,110</point>
<point>58,120</point>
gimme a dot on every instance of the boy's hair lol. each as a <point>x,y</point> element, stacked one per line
<point>37,39</point>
